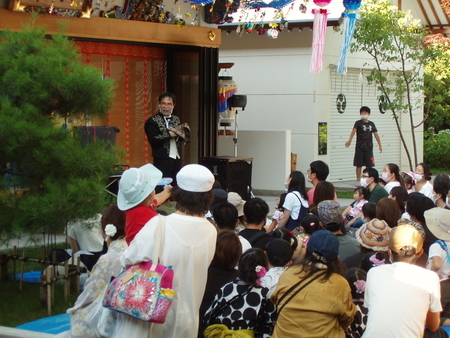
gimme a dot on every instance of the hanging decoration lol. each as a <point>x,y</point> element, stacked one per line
<point>350,17</point>
<point>319,34</point>
<point>277,4</point>
<point>227,88</point>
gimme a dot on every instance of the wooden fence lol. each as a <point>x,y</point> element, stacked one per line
<point>50,274</point>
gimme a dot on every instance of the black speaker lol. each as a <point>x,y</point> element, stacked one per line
<point>238,101</point>
<point>233,173</point>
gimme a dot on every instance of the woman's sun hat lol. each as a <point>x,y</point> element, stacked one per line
<point>136,184</point>
<point>374,235</point>
<point>438,222</point>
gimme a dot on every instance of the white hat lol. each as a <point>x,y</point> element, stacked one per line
<point>195,178</point>
<point>136,184</point>
<point>438,222</point>
<point>235,199</point>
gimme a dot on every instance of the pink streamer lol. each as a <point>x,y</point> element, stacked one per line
<point>319,34</point>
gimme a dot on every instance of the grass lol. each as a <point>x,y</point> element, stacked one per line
<point>344,193</point>
<point>19,307</point>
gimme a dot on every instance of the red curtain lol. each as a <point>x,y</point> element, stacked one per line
<point>140,76</point>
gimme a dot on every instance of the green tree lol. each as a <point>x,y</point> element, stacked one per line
<point>47,177</point>
<point>395,41</point>
<point>437,82</point>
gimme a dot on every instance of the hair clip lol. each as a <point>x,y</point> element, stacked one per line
<point>260,271</point>
<point>110,230</point>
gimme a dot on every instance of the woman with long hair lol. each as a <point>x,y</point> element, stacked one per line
<point>86,312</point>
<point>388,210</point>
<point>296,203</point>
<point>324,192</point>
<point>315,292</point>
<point>399,195</point>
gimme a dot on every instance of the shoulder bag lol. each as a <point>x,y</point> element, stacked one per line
<point>144,290</point>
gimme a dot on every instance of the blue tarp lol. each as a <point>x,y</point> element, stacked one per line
<point>52,325</point>
<point>30,276</point>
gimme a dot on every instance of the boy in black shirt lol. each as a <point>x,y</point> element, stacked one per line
<point>364,145</point>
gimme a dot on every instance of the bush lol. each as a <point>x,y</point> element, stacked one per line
<point>436,149</point>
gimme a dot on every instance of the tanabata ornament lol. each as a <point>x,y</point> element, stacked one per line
<point>272,33</point>
<point>319,34</point>
<point>348,29</point>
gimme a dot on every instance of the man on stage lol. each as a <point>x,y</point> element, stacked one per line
<point>164,141</point>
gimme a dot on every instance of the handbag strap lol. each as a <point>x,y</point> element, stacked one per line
<point>296,292</point>
<point>159,241</point>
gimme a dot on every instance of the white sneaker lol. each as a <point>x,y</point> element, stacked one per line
<point>358,184</point>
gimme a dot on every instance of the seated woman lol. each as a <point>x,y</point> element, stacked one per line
<point>389,211</point>
<point>242,305</point>
<point>222,269</point>
<point>86,311</point>
<point>391,175</point>
<point>321,299</point>
<point>422,174</point>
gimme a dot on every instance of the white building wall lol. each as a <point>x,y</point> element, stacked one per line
<point>283,95</point>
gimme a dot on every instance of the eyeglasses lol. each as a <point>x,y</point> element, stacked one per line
<point>365,176</point>
<point>166,104</point>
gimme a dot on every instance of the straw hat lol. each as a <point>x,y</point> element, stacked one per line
<point>438,222</point>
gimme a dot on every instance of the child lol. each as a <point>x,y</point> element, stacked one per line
<point>356,278</point>
<point>279,253</point>
<point>369,211</point>
<point>409,181</point>
<point>278,214</point>
<point>137,197</point>
<point>288,236</point>
<point>243,305</point>
<point>308,225</point>
<point>354,210</point>
<point>364,145</point>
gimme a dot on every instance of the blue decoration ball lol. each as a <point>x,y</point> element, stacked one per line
<point>352,5</point>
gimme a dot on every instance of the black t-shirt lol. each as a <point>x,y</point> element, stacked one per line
<point>364,130</point>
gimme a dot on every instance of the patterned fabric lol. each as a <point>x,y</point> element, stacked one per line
<point>91,298</point>
<point>364,132</point>
<point>142,291</point>
<point>158,135</point>
<point>359,323</point>
<point>254,311</point>
<point>270,280</point>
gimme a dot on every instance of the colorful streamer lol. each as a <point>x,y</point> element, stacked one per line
<point>319,34</point>
<point>348,29</point>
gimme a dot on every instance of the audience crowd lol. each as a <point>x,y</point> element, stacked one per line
<point>379,267</point>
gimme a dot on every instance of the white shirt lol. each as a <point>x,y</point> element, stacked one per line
<point>427,190</point>
<point>292,203</point>
<point>189,245</point>
<point>388,187</point>
<point>173,150</point>
<point>398,297</point>
<point>87,233</point>
<point>437,251</point>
